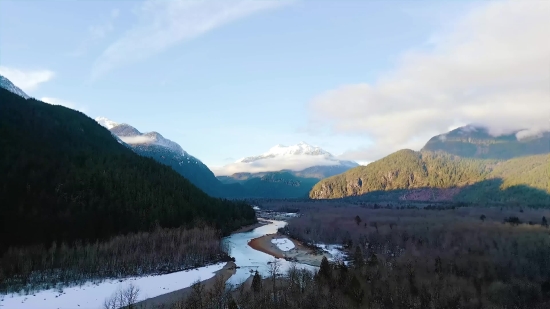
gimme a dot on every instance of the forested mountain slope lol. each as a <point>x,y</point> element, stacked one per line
<point>165,151</point>
<point>453,177</point>
<point>65,178</point>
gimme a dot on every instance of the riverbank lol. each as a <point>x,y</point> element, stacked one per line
<point>168,299</point>
<point>300,253</point>
<point>249,228</point>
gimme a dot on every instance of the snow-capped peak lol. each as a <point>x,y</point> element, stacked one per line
<point>280,157</point>
<point>109,124</point>
<point>301,148</point>
<point>132,136</point>
<point>8,85</point>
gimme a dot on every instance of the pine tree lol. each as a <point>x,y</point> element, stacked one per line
<point>324,269</point>
<point>256,282</point>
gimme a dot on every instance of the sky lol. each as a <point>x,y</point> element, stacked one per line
<point>230,79</point>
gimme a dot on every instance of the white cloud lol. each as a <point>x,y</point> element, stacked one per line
<point>27,80</point>
<point>139,139</point>
<point>71,105</point>
<point>294,163</point>
<point>162,24</point>
<point>491,68</point>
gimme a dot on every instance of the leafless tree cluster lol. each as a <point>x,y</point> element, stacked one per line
<point>123,298</point>
<point>159,251</point>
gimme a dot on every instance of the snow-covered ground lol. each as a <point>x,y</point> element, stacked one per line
<point>92,296</point>
<point>284,244</point>
<point>335,251</point>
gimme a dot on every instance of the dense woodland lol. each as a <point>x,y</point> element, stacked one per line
<point>408,258</point>
<point>65,179</point>
<point>135,254</point>
<point>526,179</point>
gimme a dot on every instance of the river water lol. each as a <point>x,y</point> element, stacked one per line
<point>249,259</point>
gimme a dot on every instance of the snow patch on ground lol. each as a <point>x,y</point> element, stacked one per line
<point>92,296</point>
<point>284,244</point>
<point>335,251</point>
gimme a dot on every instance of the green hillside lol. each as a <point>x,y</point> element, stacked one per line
<point>464,179</point>
<point>65,178</point>
<point>273,184</point>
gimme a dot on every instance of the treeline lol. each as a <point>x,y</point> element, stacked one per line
<point>156,252</point>
<point>66,179</point>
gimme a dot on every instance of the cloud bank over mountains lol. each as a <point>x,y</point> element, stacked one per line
<point>296,158</point>
<point>492,68</point>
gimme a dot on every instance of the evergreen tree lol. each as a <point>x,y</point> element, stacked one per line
<point>324,269</point>
<point>256,282</point>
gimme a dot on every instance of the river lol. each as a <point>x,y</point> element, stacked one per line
<point>250,259</point>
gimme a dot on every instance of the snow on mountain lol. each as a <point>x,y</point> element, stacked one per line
<point>132,136</point>
<point>281,151</point>
<point>109,124</point>
<point>8,85</point>
<point>295,158</point>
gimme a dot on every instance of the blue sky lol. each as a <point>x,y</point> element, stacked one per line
<point>231,79</point>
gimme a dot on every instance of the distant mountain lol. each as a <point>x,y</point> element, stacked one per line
<point>284,171</point>
<point>8,85</point>
<point>504,170</point>
<point>165,151</point>
<point>65,179</point>
<point>301,160</point>
<point>476,142</point>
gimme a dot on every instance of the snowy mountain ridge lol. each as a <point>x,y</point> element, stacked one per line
<point>132,136</point>
<point>8,85</point>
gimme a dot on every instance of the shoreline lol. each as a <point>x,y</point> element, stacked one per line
<point>299,253</point>
<point>249,228</point>
<point>168,299</point>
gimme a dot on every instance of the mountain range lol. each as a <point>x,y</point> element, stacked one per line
<point>466,164</point>
<point>284,171</point>
<point>272,184</point>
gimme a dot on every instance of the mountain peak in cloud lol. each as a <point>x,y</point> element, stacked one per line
<point>280,157</point>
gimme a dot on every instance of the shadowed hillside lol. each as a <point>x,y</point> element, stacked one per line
<point>65,178</point>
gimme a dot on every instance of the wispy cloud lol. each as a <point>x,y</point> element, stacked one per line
<point>27,80</point>
<point>96,33</point>
<point>71,105</point>
<point>162,24</point>
<point>490,68</point>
